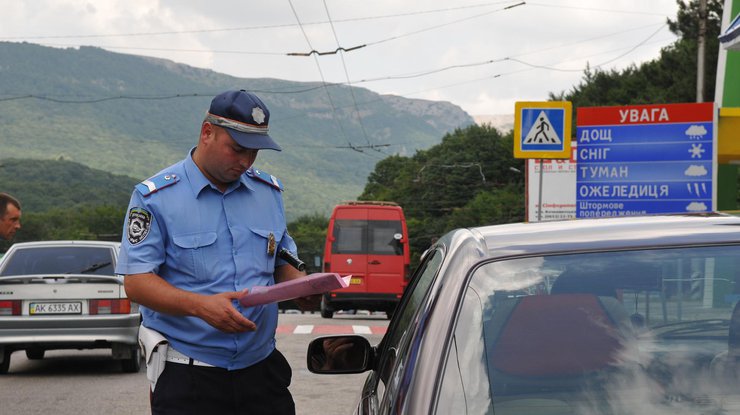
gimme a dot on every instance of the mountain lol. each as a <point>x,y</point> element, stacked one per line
<point>502,122</point>
<point>131,115</point>
<point>44,185</point>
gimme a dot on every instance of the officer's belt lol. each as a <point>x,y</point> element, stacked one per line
<point>176,357</point>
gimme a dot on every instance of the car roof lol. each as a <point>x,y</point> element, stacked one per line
<point>40,244</point>
<point>608,233</point>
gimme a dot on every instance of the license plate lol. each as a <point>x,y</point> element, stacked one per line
<point>55,308</point>
<point>355,281</point>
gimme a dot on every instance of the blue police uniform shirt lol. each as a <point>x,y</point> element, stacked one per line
<point>201,240</point>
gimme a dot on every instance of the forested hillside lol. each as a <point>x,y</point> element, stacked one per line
<point>65,200</point>
<point>61,184</point>
<point>132,115</point>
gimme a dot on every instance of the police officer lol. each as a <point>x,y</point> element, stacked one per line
<point>10,216</point>
<point>197,236</point>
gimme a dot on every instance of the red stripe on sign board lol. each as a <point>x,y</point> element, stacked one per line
<point>645,114</point>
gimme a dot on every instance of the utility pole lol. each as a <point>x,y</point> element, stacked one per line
<point>700,51</point>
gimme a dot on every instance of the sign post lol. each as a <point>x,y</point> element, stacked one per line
<point>542,130</point>
<point>558,199</point>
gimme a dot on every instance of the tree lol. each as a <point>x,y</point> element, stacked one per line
<point>101,222</point>
<point>669,79</point>
<point>466,180</point>
<point>309,233</point>
<point>502,205</point>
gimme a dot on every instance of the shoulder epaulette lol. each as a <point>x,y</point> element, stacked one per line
<point>157,183</point>
<point>265,177</point>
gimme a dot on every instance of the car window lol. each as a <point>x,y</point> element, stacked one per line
<point>465,381</point>
<point>383,237</point>
<point>628,332</point>
<point>395,342</point>
<point>349,237</point>
<point>375,237</point>
<point>59,260</point>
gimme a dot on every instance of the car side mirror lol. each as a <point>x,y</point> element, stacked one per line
<point>339,354</point>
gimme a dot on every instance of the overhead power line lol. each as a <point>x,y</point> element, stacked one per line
<point>339,49</point>
<point>323,80</point>
<point>427,29</point>
<point>594,66</point>
<point>423,73</point>
<point>594,9</point>
<point>326,84</point>
<point>452,166</point>
<point>332,52</point>
<point>346,75</point>
<point>293,25</point>
<point>259,27</point>
<point>312,52</point>
<point>103,99</point>
<point>416,32</point>
<point>483,78</point>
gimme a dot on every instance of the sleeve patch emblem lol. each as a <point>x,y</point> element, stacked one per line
<point>139,223</point>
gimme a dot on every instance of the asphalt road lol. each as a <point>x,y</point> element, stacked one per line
<point>71,382</point>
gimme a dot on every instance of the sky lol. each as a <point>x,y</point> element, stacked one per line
<point>480,55</point>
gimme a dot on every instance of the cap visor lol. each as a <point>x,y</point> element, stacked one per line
<point>253,141</point>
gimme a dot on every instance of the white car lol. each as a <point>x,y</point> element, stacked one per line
<point>65,295</point>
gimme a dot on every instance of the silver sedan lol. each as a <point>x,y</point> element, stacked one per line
<point>65,295</point>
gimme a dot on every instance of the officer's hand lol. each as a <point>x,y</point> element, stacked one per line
<point>310,303</point>
<point>218,311</point>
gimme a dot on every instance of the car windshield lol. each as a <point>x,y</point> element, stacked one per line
<point>632,332</point>
<point>59,260</point>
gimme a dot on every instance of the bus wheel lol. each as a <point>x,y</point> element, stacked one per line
<point>326,310</point>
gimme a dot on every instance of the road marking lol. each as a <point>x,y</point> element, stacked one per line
<point>330,329</point>
<point>362,330</point>
<point>303,329</point>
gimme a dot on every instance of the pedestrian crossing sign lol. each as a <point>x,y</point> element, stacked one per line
<point>542,130</point>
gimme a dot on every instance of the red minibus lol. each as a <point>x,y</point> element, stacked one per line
<point>369,241</point>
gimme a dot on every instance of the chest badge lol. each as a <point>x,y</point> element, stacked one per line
<point>270,244</point>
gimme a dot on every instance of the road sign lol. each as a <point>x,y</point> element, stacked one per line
<point>542,130</point>
<point>645,159</point>
<point>558,184</point>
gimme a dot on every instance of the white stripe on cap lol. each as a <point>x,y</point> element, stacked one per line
<point>236,125</point>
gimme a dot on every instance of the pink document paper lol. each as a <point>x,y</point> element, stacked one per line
<point>316,283</point>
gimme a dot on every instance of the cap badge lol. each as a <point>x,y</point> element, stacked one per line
<point>258,115</point>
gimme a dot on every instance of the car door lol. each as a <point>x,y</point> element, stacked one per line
<point>348,247</point>
<point>383,390</point>
<point>385,251</point>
